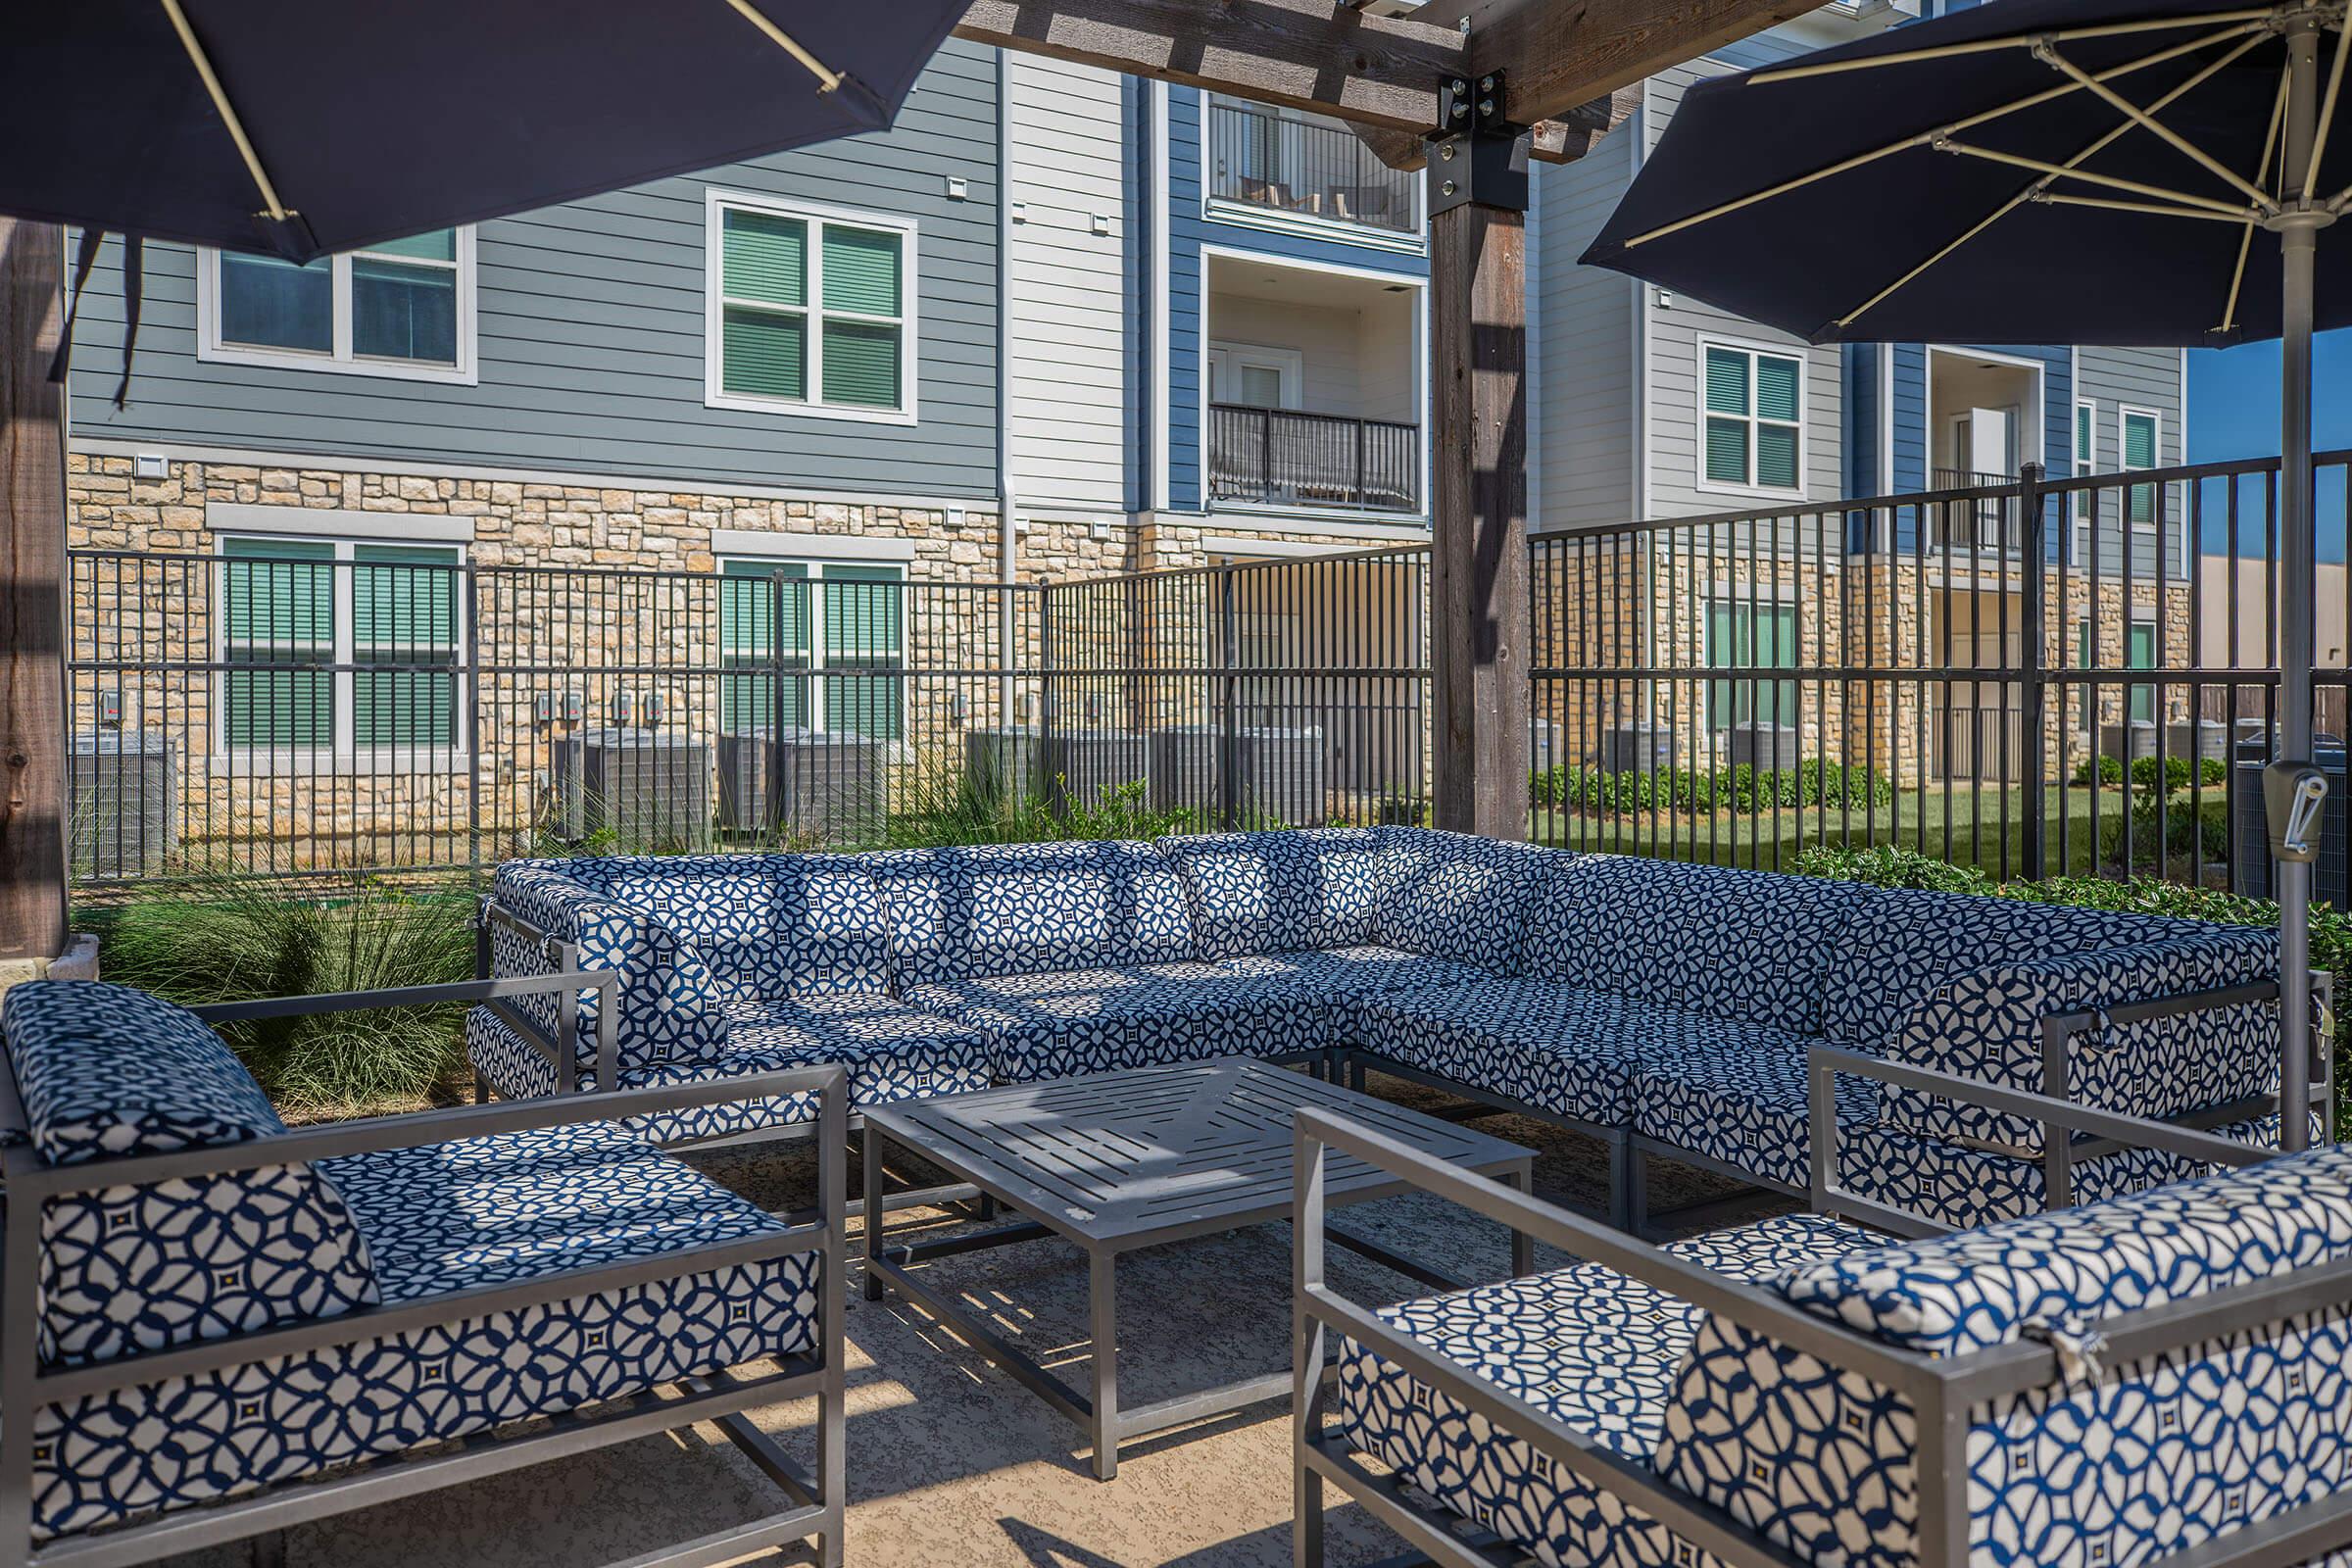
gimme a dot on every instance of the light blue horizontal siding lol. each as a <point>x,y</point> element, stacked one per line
<point>590,334</point>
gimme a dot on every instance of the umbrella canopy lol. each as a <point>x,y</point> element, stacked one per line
<point>2132,171</point>
<point>295,129</point>
<point>1979,179</point>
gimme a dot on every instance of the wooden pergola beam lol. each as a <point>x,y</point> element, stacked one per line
<point>1320,56</point>
<point>1554,141</point>
<point>1561,53</point>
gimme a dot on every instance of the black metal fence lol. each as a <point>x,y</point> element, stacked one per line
<point>2029,677</point>
<point>1309,168</point>
<point>1286,457</point>
<point>287,708</point>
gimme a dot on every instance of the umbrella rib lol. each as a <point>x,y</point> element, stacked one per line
<point>2153,209</point>
<point>2262,15</point>
<point>2049,55</point>
<point>829,79</point>
<point>2115,181</point>
<point>2336,84</point>
<point>2245,241</point>
<point>2040,187</point>
<point>1928,137</point>
<point>276,209</point>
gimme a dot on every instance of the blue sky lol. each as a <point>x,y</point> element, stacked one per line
<point>2234,399</point>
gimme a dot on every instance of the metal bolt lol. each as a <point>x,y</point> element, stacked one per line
<point>1485,106</point>
<point>1446,188</point>
<point>1460,86</point>
<point>1447,152</point>
<point>1486,84</point>
<point>1460,109</point>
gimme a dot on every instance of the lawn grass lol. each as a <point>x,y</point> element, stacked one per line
<point>1980,820</point>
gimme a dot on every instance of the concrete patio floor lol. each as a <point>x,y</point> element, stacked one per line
<point>949,1461</point>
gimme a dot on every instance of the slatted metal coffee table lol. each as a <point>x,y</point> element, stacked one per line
<point>1117,1161</point>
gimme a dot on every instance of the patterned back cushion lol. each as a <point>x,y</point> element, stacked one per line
<point>105,1070</point>
<point>1751,946</point>
<point>1458,896</point>
<point>768,925</point>
<point>1281,892</point>
<point>1904,942</point>
<point>1986,1024</point>
<point>668,998</point>
<point>961,914</point>
<point>2117,1462</point>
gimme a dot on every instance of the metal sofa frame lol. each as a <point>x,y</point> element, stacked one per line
<point>1942,1389</point>
<point>814,1516</point>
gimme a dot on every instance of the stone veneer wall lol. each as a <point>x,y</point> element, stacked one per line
<point>419,809</point>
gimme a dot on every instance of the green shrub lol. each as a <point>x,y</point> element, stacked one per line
<point>2190,830</point>
<point>1743,788</point>
<point>227,938</point>
<point>2109,769</point>
<point>954,805</point>
<point>2210,772</point>
<point>1885,866</point>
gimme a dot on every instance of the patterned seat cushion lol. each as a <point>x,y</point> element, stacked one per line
<point>106,1070</point>
<point>2112,1463</point>
<point>1348,972</point>
<point>1733,1092</point>
<point>1281,892</point>
<point>1531,1041</point>
<point>1589,1347</point>
<point>1460,897</point>
<point>962,912</point>
<point>440,1219</point>
<point>666,992</point>
<point>1963,1188</point>
<point>764,925</point>
<point>1071,1021</point>
<point>892,1051</point>
<point>1751,946</point>
<point>1987,1024</point>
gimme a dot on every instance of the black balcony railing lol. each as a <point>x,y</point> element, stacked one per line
<point>1306,167</point>
<point>1280,457</point>
<point>1983,523</point>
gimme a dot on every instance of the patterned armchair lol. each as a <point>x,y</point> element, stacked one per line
<point>2166,1373</point>
<point>213,1326</point>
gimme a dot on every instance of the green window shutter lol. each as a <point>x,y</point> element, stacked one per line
<point>2139,652</point>
<point>404,611</point>
<point>2086,423</point>
<point>863,607</point>
<point>862,271</point>
<point>1727,450</point>
<point>766,258</point>
<point>1722,652</point>
<point>1727,381</point>
<point>747,638</point>
<point>433,245</point>
<point>278,611</point>
<point>861,365</point>
<point>1776,456</point>
<point>1777,382</point>
<point>765,353</point>
<point>2139,452</point>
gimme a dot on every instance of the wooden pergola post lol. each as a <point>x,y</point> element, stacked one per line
<point>1477,199</point>
<point>33,559</point>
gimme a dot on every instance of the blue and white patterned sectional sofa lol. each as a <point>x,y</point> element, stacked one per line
<point>1668,1009</point>
<point>161,1267</point>
<point>1811,1416</point>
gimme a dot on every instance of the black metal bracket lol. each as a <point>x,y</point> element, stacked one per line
<point>1477,153</point>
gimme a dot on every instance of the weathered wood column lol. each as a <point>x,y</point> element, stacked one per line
<point>33,559</point>
<point>1478,588</point>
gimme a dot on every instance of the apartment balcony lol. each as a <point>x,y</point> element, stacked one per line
<point>1285,457</point>
<point>1305,168</point>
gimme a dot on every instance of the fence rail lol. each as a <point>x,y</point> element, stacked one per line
<point>278,709</point>
<point>2032,677</point>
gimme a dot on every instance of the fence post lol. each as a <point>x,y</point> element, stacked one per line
<point>1058,795</point>
<point>2034,613</point>
<point>1229,729</point>
<point>468,680</point>
<point>771,770</point>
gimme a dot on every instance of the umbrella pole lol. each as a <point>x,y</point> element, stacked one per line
<point>2298,238</point>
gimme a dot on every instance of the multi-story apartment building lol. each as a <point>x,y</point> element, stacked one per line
<point>1655,405</point>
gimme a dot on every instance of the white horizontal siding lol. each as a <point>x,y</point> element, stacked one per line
<point>1065,285</point>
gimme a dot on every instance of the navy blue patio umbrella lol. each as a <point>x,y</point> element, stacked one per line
<point>2129,171</point>
<point>299,127</point>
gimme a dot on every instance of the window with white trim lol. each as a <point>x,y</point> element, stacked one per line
<point>1751,635</point>
<point>2139,432</point>
<point>1754,424</point>
<point>2086,456</point>
<point>338,645</point>
<point>834,631</point>
<point>404,307</point>
<point>809,310</point>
